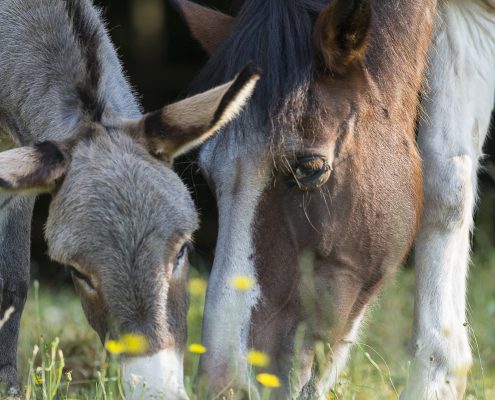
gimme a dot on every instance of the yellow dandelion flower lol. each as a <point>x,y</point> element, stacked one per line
<point>114,347</point>
<point>134,344</point>
<point>258,359</point>
<point>242,283</point>
<point>196,348</point>
<point>268,380</point>
<point>129,343</point>
<point>197,287</point>
<point>38,380</point>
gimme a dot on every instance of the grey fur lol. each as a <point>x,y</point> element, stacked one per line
<point>119,214</point>
<point>15,225</point>
<point>41,63</point>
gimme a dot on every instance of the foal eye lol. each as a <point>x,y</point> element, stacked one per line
<point>310,172</point>
<point>81,277</point>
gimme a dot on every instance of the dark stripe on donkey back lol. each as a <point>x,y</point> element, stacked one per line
<point>88,35</point>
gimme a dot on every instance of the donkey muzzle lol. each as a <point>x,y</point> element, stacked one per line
<point>159,376</point>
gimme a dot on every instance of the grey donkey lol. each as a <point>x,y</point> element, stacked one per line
<point>119,217</point>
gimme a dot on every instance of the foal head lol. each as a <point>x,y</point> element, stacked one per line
<point>324,165</point>
<point>123,220</point>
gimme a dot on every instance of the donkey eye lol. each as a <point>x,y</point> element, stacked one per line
<point>182,252</point>
<point>310,172</point>
<point>81,277</point>
<point>181,255</point>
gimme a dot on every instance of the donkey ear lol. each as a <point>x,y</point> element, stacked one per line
<point>179,127</point>
<point>342,33</point>
<point>208,26</point>
<point>32,169</point>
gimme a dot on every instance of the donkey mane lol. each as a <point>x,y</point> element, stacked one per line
<point>277,36</point>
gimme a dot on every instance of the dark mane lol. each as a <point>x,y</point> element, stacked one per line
<point>277,36</point>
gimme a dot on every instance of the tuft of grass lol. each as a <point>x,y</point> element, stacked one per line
<point>48,331</point>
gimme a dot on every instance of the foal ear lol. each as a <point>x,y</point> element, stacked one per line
<point>32,169</point>
<point>341,33</point>
<point>209,27</point>
<point>179,127</point>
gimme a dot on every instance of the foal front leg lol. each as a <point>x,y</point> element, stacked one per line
<point>458,108</point>
<point>15,229</point>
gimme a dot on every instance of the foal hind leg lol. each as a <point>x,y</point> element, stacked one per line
<point>458,108</point>
<point>15,227</point>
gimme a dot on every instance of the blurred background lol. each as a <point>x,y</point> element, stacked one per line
<point>161,59</point>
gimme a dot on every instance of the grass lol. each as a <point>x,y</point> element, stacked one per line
<point>377,370</point>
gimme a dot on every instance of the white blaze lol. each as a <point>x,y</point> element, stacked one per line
<point>339,358</point>
<point>228,311</point>
<point>159,376</point>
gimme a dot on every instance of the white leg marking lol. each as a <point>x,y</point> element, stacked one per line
<point>462,83</point>
<point>154,377</point>
<point>339,359</point>
<point>227,315</point>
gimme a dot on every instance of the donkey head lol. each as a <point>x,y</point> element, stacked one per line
<point>123,220</point>
<point>322,165</point>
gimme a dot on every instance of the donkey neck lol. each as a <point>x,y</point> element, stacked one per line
<point>56,60</point>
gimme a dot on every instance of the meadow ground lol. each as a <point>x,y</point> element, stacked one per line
<point>377,370</point>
